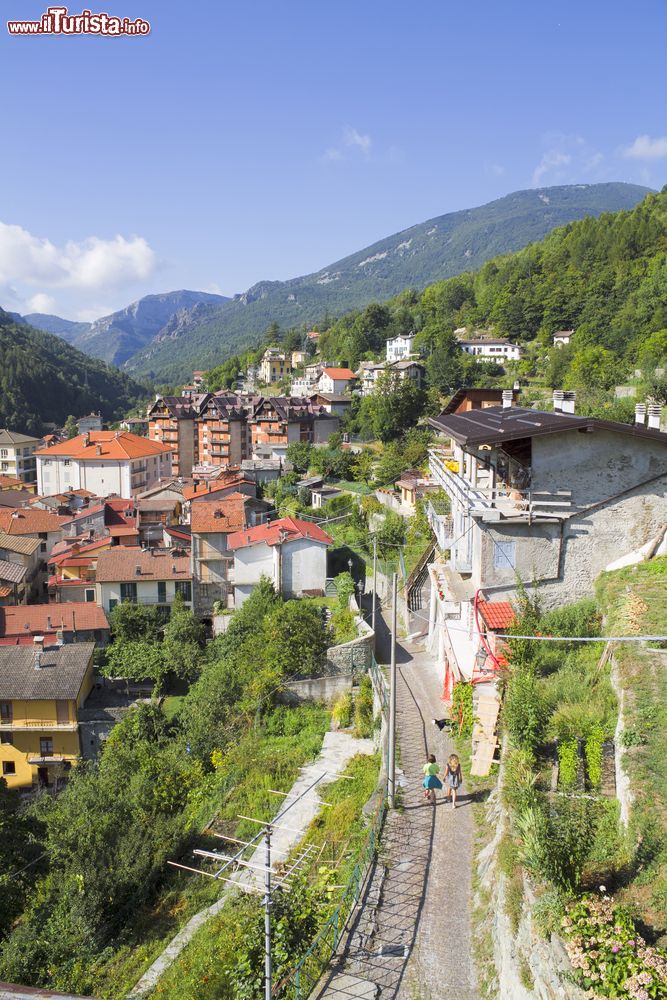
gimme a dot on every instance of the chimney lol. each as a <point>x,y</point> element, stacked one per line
<point>49,626</point>
<point>86,439</point>
<point>569,399</point>
<point>558,400</point>
<point>640,413</point>
<point>137,570</point>
<point>60,637</point>
<point>38,649</point>
<point>654,414</point>
<point>508,396</point>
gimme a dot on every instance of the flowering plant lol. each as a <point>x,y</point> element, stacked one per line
<point>609,957</point>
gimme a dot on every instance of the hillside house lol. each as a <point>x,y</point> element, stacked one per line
<point>490,349</point>
<point>551,497</point>
<point>42,689</point>
<point>104,462</point>
<point>142,576</point>
<point>478,399</point>
<point>72,567</point>
<point>211,524</point>
<point>336,380</point>
<point>273,366</point>
<point>291,553</point>
<point>91,422</point>
<point>562,338</point>
<point>17,456</point>
<point>400,348</point>
<point>21,566</point>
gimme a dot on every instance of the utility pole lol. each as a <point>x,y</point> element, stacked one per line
<point>268,971</point>
<point>391,776</point>
<point>375,577</point>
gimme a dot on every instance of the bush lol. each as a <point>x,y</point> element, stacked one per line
<point>363,708</point>
<point>462,710</point>
<point>593,751</point>
<point>520,779</point>
<point>344,585</point>
<point>525,712</point>
<point>342,710</point>
<point>568,764</point>
<point>344,625</point>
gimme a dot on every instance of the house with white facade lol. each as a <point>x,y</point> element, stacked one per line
<point>552,498</point>
<point>563,337</point>
<point>291,553</point>
<point>490,349</point>
<point>336,380</point>
<point>103,462</point>
<point>400,348</point>
<point>142,576</point>
<point>17,455</point>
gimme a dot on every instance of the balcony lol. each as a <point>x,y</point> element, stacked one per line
<point>50,758</point>
<point>442,526</point>
<point>492,500</point>
<point>36,725</point>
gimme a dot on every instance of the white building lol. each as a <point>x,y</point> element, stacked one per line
<point>103,462</point>
<point>17,455</point>
<point>563,337</point>
<point>142,576</point>
<point>91,422</point>
<point>400,348</point>
<point>291,553</point>
<point>336,380</point>
<point>488,349</point>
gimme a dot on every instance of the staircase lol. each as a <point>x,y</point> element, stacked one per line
<point>418,578</point>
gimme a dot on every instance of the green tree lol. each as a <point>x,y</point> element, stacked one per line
<point>184,638</point>
<point>71,429</point>
<point>299,454</point>
<point>394,406</point>
<point>297,639</point>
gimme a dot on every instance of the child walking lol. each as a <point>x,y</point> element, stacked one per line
<point>431,780</point>
<point>453,777</point>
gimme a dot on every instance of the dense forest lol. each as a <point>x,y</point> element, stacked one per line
<point>606,278</point>
<point>44,379</point>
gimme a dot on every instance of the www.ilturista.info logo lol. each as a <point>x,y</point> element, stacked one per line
<point>57,21</point>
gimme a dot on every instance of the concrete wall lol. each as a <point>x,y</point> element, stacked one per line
<point>565,569</point>
<point>304,567</point>
<point>325,689</point>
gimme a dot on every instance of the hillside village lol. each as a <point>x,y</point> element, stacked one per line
<point>209,583</point>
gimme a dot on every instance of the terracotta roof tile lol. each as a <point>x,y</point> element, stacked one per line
<point>339,373</point>
<point>496,614</point>
<point>30,521</point>
<point>120,564</point>
<point>284,529</point>
<point>45,619</point>
<point>112,445</point>
<point>224,515</point>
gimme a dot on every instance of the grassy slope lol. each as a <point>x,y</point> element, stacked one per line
<point>635,601</point>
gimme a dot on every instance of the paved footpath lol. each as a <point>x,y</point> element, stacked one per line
<point>412,936</point>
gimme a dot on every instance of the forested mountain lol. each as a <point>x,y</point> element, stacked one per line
<point>606,278</point>
<point>44,379</point>
<point>443,246</point>
<point>119,336</point>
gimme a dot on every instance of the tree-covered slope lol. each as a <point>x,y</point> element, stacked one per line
<point>43,379</point>
<point>443,246</point>
<point>606,278</point>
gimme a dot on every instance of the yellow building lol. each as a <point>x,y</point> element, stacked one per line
<point>274,366</point>
<point>41,692</point>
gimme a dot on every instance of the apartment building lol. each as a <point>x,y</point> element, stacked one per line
<point>553,498</point>
<point>171,421</point>
<point>489,349</point>
<point>42,690</point>
<point>17,456</point>
<point>142,576</point>
<point>276,422</point>
<point>104,462</point>
<point>222,432</point>
<point>211,523</point>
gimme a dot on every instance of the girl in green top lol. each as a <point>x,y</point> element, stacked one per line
<point>431,780</point>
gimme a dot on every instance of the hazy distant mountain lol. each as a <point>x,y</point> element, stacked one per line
<point>117,337</point>
<point>443,246</point>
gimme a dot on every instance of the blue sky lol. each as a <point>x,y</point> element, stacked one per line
<point>262,140</point>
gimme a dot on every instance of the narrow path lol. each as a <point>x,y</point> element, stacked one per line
<point>412,936</point>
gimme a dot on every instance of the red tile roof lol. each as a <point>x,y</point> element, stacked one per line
<point>112,445</point>
<point>496,614</point>
<point>120,564</point>
<point>215,486</point>
<point>285,529</point>
<point>30,521</point>
<point>226,515</point>
<point>43,619</point>
<point>11,483</point>
<point>337,373</point>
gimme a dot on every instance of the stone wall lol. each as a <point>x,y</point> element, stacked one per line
<point>355,656</point>
<point>325,689</point>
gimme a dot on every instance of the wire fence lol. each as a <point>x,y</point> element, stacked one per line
<point>302,980</point>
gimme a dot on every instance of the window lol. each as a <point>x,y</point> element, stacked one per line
<point>184,588</point>
<point>90,596</point>
<point>204,590</point>
<point>3,453</point>
<point>8,767</point>
<point>42,547</point>
<point>112,603</point>
<point>504,555</point>
<point>128,592</point>
<point>161,592</point>
<point>6,712</point>
<point>46,746</point>
<point>7,738</point>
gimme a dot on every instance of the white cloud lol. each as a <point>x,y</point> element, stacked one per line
<point>496,169</point>
<point>89,264</point>
<point>646,148</point>
<point>41,303</point>
<point>566,158</point>
<point>351,137</point>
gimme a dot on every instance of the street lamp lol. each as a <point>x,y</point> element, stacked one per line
<point>350,564</point>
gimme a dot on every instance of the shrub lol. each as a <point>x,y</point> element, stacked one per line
<point>568,763</point>
<point>344,625</point>
<point>363,708</point>
<point>593,751</point>
<point>519,791</point>
<point>342,710</point>
<point>462,710</point>
<point>554,846</point>
<point>525,711</point>
<point>344,585</point>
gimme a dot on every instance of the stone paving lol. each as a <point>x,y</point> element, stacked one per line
<point>412,938</point>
